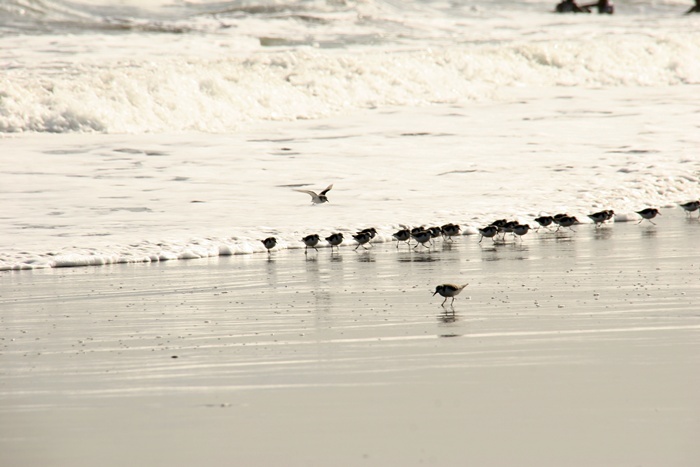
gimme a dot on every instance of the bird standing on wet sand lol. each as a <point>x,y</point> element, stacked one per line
<point>371,231</point>
<point>435,232</point>
<point>489,231</point>
<point>361,238</point>
<point>403,235</point>
<point>544,221</point>
<point>269,243</point>
<point>690,207</point>
<point>648,214</point>
<point>602,216</point>
<point>449,291</point>
<point>499,223</point>
<point>450,230</point>
<point>335,240</point>
<point>319,198</point>
<point>422,237</point>
<point>508,227</point>
<point>521,230</point>
<point>311,241</point>
<point>565,220</point>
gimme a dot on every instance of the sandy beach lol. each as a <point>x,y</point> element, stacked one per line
<point>147,146</point>
<point>570,348</point>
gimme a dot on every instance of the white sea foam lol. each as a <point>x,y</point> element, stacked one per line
<point>223,94</point>
<point>101,199</point>
<point>224,70</point>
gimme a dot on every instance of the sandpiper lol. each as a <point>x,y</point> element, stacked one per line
<point>566,221</point>
<point>449,290</point>
<point>508,227</point>
<point>489,231</point>
<point>521,230</point>
<point>435,232</point>
<point>499,223</point>
<point>450,230</point>
<point>311,241</point>
<point>648,214</point>
<point>371,231</point>
<point>403,235</point>
<point>319,198</point>
<point>335,240</point>
<point>361,238</point>
<point>422,237</point>
<point>269,243</point>
<point>602,216</point>
<point>557,217</point>
<point>544,221</point>
<point>690,207</point>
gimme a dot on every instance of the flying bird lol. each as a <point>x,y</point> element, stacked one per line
<point>318,198</point>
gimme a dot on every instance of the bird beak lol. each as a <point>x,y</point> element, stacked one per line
<point>434,293</point>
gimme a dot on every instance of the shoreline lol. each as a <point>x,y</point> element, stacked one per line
<point>222,247</point>
<point>578,349</point>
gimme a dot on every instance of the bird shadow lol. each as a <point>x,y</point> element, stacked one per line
<point>365,257</point>
<point>448,315</point>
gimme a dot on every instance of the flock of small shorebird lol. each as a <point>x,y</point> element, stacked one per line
<point>425,236</point>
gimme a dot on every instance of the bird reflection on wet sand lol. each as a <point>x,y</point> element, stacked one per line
<point>448,316</point>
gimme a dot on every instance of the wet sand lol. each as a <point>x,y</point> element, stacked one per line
<point>566,349</point>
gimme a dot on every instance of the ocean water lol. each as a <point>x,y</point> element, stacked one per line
<point>156,130</point>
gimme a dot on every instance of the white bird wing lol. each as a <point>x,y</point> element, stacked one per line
<point>308,192</point>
